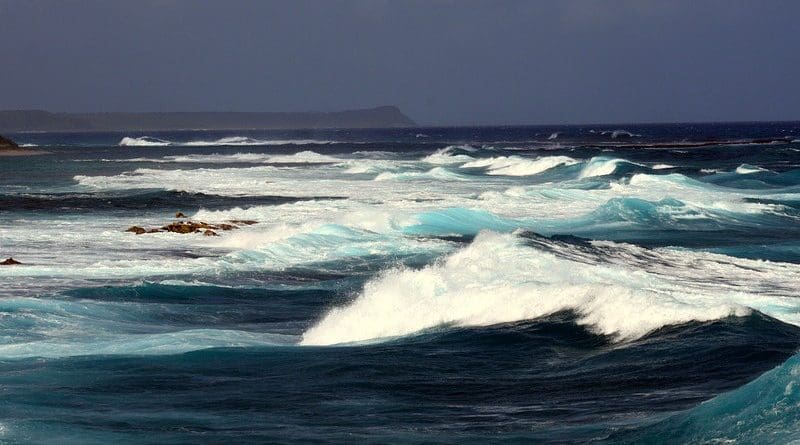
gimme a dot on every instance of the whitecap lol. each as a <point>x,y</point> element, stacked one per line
<point>497,279</point>
<point>518,166</point>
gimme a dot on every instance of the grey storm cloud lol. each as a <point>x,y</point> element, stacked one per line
<point>441,62</point>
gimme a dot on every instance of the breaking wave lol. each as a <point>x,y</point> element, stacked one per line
<point>518,166</point>
<point>603,166</point>
<point>497,279</point>
<point>303,157</point>
<point>145,141</point>
<point>449,155</point>
<point>148,141</point>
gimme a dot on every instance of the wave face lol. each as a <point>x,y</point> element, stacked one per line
<point>495,280</point>
<point>766,410</point>
<point>632,284</point>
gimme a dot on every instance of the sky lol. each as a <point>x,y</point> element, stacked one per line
<point>443,62</point>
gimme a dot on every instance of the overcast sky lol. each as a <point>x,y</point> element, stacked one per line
<point>441,62</point>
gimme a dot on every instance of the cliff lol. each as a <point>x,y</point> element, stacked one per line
<point>6,144</point>
<point>36,120</point>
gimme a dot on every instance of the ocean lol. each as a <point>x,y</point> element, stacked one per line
<point>610,284</point>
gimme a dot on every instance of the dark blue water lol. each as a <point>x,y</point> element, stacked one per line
<point>594,284</point>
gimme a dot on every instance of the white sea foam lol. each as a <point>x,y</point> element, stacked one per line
<point>518,166</point>
<point>148,141</point>
<point>662,166</point>
<point>617,133</point>
<point>602,166</point>
<point>303,157</point>
<point>240,140</point>
<point>436,173</point>
<point>496,280</point>
<point>143,142</point>
<point>745,169</point>
<point>445,156</point>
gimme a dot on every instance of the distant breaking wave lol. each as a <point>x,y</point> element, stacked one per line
<point>144,141</point>
<point>745,169</point>
<point>148,141</point>
<point>617,133</point>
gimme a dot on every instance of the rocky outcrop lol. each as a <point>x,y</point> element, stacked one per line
<point>186,227</point>
<point>9,262</point>
<point>6,143</point>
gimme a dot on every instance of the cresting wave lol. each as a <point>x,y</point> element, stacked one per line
<point>303,157</point>
<point>148,141</point>
<point>498,279</point>
<point>518,166</point>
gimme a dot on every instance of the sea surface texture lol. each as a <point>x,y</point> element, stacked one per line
<point>584,284</point>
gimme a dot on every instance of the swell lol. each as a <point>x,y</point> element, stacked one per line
<point>766,410</point>
<point>553,381</point>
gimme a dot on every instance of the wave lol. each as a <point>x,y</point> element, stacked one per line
<point>604,166</point>
<point>766,410</point>
<point>449,155</point>
<point>144,141</point>
<point>360,166</point>
<point>149,141</point>
<point>497,279</point>
<point>437,173</point>
<point>746,169</point>
<point>303,157</point>
<point>518,166</point>
<point>239,140</point>
<point>619,133</point>
<point>143,201</point>
<point>146,344</point>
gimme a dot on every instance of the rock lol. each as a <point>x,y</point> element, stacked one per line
<point>7,143</point>
<point>184,227</point>
<point>243,222</point>
<point>180,215</point>
<point>136,229</point>
<point>9,262</point>
<point>181,227</point>
<point>187,227</point>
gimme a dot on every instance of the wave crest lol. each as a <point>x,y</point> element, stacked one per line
<point>149,141</point>
<point>497,280</point>
<point>518,166</point>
